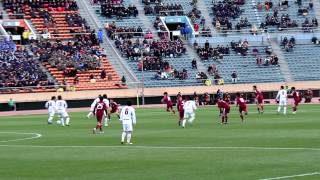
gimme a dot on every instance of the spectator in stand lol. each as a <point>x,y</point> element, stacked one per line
<point>234,77</point>
<point>194,64</point>
<point>103,74</point>
<point>100,36</point>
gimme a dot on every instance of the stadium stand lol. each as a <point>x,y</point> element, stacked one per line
<point>238,46</point>
<point>78,64</point>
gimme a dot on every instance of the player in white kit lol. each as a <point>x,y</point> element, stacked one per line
<point>282,97</point>
<point>127,119</point>
<point>106,101</point>
<point>189,107</point>
<point>51,106</point>
<point>62,106</point>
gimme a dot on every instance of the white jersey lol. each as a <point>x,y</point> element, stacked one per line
<point>61,105</point>
<point>128,115</point>
<point>51,105</point>
<point>189,106</point>
<point>106,101</point>
<point>282,95</point>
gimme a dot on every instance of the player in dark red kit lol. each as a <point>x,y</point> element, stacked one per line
<point>296,98</point>
<point>180,104</point>
<point>227,98</point>
<point>167,100</point>
<point>114,109</point>
<point>224,110</point>
<point>241,103</point>
<point>99,110</point>
<point>259,99</point>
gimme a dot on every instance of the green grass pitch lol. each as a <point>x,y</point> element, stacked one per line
<point>162,150</point>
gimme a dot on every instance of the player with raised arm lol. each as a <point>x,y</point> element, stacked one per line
<point>51,106</point>
<point>62,111</point>
<point>99,110</point>
<point>189,107</point>
<point>259,99</point>
<point>127,119</point>
<point>296,98</point>
<point>282,99</point>
<point>180,104</point>
<point>241,103</point>
<point>167,100</point>
<point>224,108</point>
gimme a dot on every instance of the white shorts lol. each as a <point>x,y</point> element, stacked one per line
<point>51,113</point>
<point>127,127</point>
<point>189,114</point>
<point>63,113</point>
<point>282,102</point>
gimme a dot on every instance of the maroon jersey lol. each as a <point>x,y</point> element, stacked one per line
<point>223,105</point>
<point>296,97</point>
<point>259,96</point>
<point>227,99</point>
<point>180,105</point>
<point>100,108</point>
<point>241,102</point>
<point>114,107</point>
<point>167,100</point>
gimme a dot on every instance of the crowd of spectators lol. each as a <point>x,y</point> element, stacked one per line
<point>157,48</point>
<point>115,32</point>
<point>288,44</point>
<point>240,47</point>
<point>164,9</point>
<point>18,7</point>
<point>18,68</point>
<point>118,10</point>
<point>208,51</point>
<point>227,8</point>
<point>81,54</point>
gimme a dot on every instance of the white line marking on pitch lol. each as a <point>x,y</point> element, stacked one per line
<point>292,176</point>
<point>162,147</point>
<point>35,136</point>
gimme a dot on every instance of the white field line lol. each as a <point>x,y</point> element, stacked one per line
<point>162,147</point>
<point>35,136</point>
<point>292,176</point>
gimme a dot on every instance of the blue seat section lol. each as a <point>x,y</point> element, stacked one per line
<point>179,63</point>
<point>304,62</point>
<point>246,67</point>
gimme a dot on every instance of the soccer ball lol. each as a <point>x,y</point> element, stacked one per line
<point>58,122</point>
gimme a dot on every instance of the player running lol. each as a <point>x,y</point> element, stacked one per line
<point>241,103</point>
<point>297,99</point>
<point>106,101</point>
<point>114,109</point>
<point>99,110</point>
<point>127,119</point>
<point>259,99</point>
<point>167,100</point>
<point>224,110</point>
<point>51,106</point>
<point>62,106</point>
<point>189,107</point>
<point>282,99</point>
<point>180,104</point>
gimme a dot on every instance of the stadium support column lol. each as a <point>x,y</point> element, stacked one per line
<point>142,71</point>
